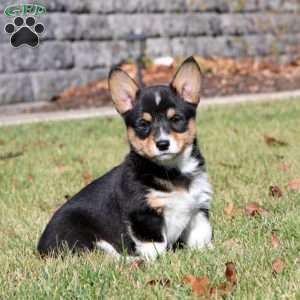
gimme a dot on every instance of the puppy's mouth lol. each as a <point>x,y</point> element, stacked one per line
<point>165,156</point>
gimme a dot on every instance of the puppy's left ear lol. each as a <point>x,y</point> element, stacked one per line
<point>187,81</point>
<point>123,90</point>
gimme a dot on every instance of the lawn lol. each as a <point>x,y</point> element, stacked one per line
<point>43,164</point>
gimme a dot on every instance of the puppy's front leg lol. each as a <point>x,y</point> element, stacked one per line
<point>146,229</point>
<point>198,233</point>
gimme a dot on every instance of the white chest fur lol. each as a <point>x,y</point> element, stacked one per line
<point>182,205</point>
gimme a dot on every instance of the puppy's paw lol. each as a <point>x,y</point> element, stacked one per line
<point>199,233</point>
<point>150,250</point>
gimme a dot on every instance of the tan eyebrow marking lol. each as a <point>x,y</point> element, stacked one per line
<point>147,117</point>
<point>171,113</point>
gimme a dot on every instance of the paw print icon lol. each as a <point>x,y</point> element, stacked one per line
<point>24,32</point>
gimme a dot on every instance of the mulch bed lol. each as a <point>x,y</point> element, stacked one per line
<point>222,77</point>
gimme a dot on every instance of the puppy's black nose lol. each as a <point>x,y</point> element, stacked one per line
<point>163,145</point>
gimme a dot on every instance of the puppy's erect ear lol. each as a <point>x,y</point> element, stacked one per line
<point>187,81</point>
<point>123,90</point>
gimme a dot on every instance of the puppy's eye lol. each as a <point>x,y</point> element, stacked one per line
<point>142,123</point>
<point>176,119</point>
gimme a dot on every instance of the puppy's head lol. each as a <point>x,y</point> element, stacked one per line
<point>160,120</point>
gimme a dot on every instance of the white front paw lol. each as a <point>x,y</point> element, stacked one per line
<point>199,232</point>
<point>150,250</point>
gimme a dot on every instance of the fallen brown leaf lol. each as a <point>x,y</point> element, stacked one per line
<point>230,210</point>
<point>230,273</point>
<point>200,285</point>
<point>294,184</point>
<point>274,240</point>
<point>231,280</point>
<point>272,141</point>
<point>275,191</point>
<point>137,263</point>
<point>253,209</point>
<point>277,266</point>
<point>164,282</point>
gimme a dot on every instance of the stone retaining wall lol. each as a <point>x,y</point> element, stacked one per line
<point>83,39</point>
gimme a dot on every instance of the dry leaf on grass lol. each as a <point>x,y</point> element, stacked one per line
<point>230,273</point>
<point>277,266</point>
<point>230,210</point>
<point>137,263</point>
<point>253,209</point>
<point>274,240</point>
<point>200,285</point>
<point>227,287</point>
<point>275,191</point>
<point>164,282</point>
<point>272,141</point>
<point>294,184</point>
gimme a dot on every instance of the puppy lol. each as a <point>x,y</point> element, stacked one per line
<point>160,194</point>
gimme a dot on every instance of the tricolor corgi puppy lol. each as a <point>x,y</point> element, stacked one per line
<point>160,195</point>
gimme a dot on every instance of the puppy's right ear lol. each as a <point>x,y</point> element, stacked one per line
<point>123,90</point>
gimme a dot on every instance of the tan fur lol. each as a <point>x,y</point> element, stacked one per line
<point>171,113</point>
<point>144,147</point>
<point>147,117</point>
<point>155,202</point>
<point>186,138</point>
<point>158,200</point>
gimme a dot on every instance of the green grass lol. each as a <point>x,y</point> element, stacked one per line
<point>54,160</point>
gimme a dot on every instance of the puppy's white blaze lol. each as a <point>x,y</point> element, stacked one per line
<point>107,247</point>
<point>198,234</point>
<point>163,135</point>
<point>157,98</point>
<point>173,148</point>
<point>148,250</point>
